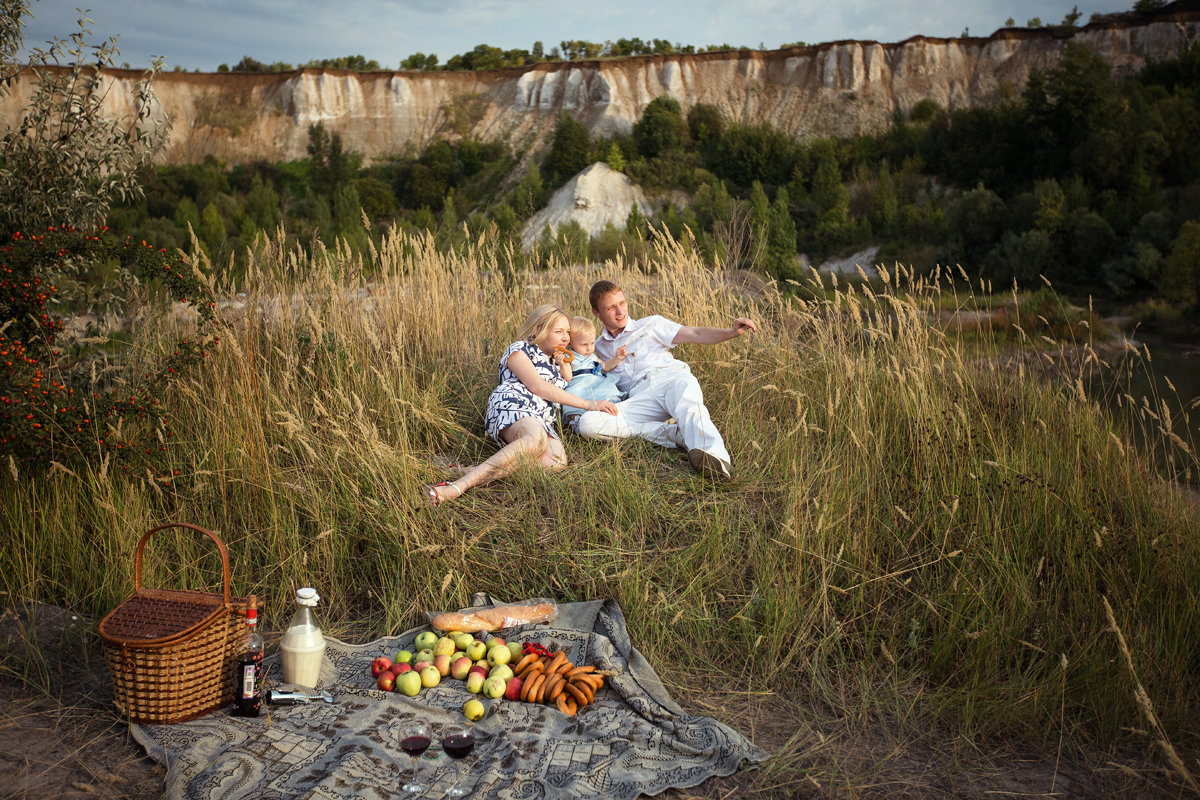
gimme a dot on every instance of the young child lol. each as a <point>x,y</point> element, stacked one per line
<point>589,377</point>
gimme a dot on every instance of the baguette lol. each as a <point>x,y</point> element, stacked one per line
<point>493,619</point>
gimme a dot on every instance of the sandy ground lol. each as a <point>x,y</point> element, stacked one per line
<point>61,738</point>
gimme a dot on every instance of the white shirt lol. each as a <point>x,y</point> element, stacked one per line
<point>648,342</point>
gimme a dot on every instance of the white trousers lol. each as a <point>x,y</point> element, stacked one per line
<point>670,392</point>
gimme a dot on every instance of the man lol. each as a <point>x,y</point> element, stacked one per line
<point>659,385</point>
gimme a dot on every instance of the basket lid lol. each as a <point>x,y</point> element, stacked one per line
<point>151,615</point>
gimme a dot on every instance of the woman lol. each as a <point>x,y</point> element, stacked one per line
<point>520,414</point>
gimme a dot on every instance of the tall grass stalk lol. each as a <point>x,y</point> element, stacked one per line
<point>914,514</point>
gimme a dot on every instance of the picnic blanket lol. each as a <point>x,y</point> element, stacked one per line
<point>632,740</point>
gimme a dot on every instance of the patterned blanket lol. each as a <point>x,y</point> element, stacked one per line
<point>634,739</point>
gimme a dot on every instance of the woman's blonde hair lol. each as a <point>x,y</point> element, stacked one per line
<point>539,321</point>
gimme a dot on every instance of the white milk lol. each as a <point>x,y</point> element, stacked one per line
<point>303,649</point>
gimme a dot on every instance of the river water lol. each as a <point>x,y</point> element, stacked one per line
<point>1171,375</point>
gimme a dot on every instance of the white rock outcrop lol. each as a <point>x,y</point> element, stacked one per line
<point>593,198</point>
<point>832,89</point>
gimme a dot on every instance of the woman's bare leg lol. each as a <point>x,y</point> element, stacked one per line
<point>554,456</point>
<point>525,438</point>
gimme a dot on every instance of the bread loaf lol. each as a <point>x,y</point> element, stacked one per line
<point>493,619</point>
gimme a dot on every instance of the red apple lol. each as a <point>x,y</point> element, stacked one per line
<point>380,666</point>
<point>441,663</point>
<point>387,681</point>
<point>512,691</point>
<point>460,667</point>
<point>400,669</point>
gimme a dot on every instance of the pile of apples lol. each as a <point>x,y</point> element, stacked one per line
<point>482,665</point>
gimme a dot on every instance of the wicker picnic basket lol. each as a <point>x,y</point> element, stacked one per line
<point>172,653</point>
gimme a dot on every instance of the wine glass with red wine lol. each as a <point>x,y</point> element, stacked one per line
<point>458,740</point>
<point>415,737</point>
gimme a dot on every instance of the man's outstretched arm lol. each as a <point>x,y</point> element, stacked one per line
<point>693,335</point>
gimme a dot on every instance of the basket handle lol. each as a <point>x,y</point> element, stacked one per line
<point>137,557</point>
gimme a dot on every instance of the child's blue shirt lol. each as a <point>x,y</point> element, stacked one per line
<point>591,382</point>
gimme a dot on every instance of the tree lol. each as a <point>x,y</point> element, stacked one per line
<point>781,239</point>
<point>829,193</point>
<point>63,163</point>
<point>569,149</point>
<point>661,128</point>
<point>615,158</point>
<point>760,220</point>
<point>635,222</point>
<point>1181,270</point>
<point>330,169</point>
<point>706,123</point>
<point>1072,17</point>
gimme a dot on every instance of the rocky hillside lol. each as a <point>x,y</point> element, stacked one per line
<point>838,88</point>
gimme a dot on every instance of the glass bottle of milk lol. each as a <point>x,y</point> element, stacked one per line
<point>303,646</point>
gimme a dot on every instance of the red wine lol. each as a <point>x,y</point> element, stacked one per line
<point>458,745</point>
<point>414,745</point>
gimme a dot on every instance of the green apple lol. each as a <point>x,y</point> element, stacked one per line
<point>494,687</point>
<point>499,655</point>
<point>403,657</point>
<point>424,654</point>
<point>473,709</point>
<point>408,683</point>
<point>460,667</point>
<point>430,677</point>
<point>426,640</point>
<point>444,646</point>
<point>492,641</point>
<point>501,671</point>
<point>462,640</point>
<point>514,648</point>
<point>475,650</point>
<point>454,634</point>
<point>475,682</point>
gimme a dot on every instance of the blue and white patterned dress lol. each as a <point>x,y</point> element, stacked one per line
<point>512,400</point>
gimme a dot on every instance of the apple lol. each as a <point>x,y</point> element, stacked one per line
<point>475,650</point>
<point>387,681</point>
<point>424,655</point>
<point>493,641</point>
<point>462,640</point>
<point>403,657</point>
<point>499,655</point>
<point>512,690</point>
<point>442,664</point>
<point>400,669</point>
<point>514,648</point>
<point>380,666</point>
<point>473,709</point>
<point>460,667</point>
<point>422,664</point>
<point>430,677</point>
<point>493,687</point>
<point>408,683</point>
<point>444,646</point>
<point>501,671</point>
<point>475,682</point>
<point>426,640</point>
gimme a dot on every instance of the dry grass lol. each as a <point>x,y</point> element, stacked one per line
<point>910,560</point>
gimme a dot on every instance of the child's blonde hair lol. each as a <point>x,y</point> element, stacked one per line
<point>579,323</point>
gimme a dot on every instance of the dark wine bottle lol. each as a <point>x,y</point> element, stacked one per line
<point>248,701</point>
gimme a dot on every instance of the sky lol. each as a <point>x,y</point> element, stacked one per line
<point>202,34</point>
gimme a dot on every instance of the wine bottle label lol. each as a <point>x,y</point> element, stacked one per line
<point>248,687</point>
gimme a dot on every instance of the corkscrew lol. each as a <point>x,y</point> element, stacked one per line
<point>278,698</point>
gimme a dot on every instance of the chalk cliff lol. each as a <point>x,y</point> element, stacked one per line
<point>837,88</point>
